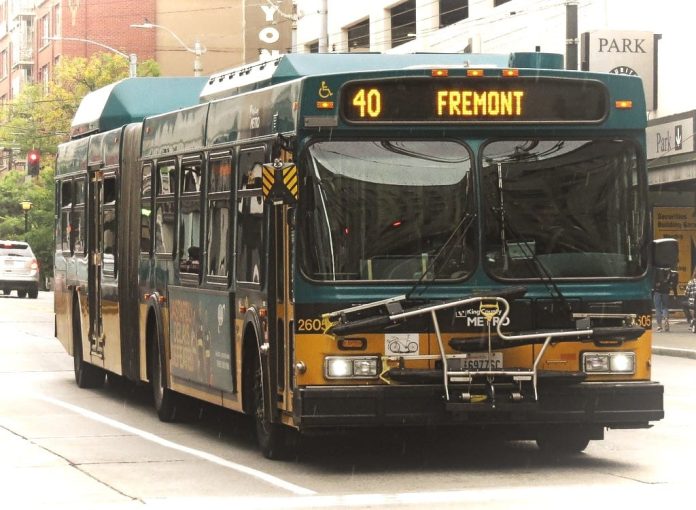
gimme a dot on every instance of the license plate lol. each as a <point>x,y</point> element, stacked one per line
<point>479,361</point>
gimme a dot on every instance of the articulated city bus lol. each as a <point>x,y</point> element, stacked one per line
<point>341,241</point>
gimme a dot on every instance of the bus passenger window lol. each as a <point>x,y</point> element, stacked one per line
<point>250,231</point>
<point>146,210</point>
<point>109,240</point>
<point>218,216</point>
<point>218,234</point>
<point>165,218</point>
<point>164,228</point>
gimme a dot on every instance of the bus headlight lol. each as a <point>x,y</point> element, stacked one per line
<point>353,367</point>
<point>609,362</point>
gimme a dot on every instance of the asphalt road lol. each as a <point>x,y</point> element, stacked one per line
<point>63,447</point>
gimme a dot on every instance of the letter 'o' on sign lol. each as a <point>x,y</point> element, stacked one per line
<point>269,35</point>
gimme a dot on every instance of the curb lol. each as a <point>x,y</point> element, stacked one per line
<point>674,351</point>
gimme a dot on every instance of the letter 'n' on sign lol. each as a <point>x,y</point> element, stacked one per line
<point>280,183</point>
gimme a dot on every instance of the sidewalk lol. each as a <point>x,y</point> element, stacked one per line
<point>679,341</point>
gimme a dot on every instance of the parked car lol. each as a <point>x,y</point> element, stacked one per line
<point>19,269</point>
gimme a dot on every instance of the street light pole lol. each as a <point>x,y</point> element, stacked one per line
<point>26,205</point>
<point>197,50</point>
<point>132,57</point>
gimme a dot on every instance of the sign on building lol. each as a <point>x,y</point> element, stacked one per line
<point>268,30</point>
<point>623,52</point>
<point>678,223</point>
<point>671,135</point>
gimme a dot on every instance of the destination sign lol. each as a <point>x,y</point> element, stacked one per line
<point>474,100</point>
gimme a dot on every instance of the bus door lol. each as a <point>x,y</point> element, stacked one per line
<point>95,240</point>
<point>284,306</point>
<point>280,189</point>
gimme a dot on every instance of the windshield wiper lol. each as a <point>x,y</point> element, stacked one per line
<point>457,235</point>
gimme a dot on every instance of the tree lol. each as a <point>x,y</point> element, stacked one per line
<point>15,188</point>
<point>41,119</point>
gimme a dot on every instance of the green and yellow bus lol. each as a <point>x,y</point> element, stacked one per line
<point>328,241</point>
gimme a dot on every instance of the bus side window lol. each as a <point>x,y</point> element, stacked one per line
<point>146,210</point>
<point>165,209</point>
<point>190,217</point>
<point>220,178</point>
<point>250,231</point>
<point>66,202</point>
<point>78,218</point>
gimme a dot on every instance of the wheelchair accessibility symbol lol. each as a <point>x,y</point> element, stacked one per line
<point>324,91</point>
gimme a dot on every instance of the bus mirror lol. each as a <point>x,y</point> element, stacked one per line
<point>665,252</point>
<point>280,184</point>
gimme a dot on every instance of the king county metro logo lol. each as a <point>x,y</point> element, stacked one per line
<point>623,70</point>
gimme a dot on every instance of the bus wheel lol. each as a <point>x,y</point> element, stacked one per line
<point>563,442</point>
<point>165,400</point>
<point>21,293</point>
<point>275,440</point>
<point>86,375</point>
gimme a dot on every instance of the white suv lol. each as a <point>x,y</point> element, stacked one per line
<point>19,269</point>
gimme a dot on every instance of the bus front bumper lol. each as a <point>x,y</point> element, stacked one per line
<point>606,404</point>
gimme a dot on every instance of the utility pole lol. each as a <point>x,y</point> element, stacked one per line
<point>324,32</point>
<point>572,35</point>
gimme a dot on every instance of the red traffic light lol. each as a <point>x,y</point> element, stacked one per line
<point>33,162</point>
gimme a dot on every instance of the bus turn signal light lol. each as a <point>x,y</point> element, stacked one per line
<point>623,104</point>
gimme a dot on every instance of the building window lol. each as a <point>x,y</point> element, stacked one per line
<point>313,47</point>
<point>3,18</point>
<point>44,31</point>
<point>403,22</point>
<point>452,11</point>
<point>359,36</point>
<point>57,20</point>
<point>3,64</point>
<point>45,78</point>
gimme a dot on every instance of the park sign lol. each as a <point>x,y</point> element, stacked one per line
<point>623,52</point>
<point>669,136</point>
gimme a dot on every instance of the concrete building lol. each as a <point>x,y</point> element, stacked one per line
<point>503,26</point>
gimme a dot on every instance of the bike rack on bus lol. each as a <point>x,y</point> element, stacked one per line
<point>489,307</point>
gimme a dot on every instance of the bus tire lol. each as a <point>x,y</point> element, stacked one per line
<point>164,399</point>
<point>274,439</point>
<point>563,442</point>
<point>86,375</point>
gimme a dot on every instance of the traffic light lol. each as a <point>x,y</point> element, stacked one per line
<point>33,162</point>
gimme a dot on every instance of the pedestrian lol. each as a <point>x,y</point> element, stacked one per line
<point>666,280</point>
<point>690,299</point>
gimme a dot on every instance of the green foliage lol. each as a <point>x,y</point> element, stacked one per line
<point>15,187</point>
<point>41,119</point>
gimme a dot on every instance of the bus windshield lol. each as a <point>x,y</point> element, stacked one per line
<point>386,210</point>
<point>563,209</point>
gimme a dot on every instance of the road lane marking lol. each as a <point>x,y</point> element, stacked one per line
<point>148,436</point>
